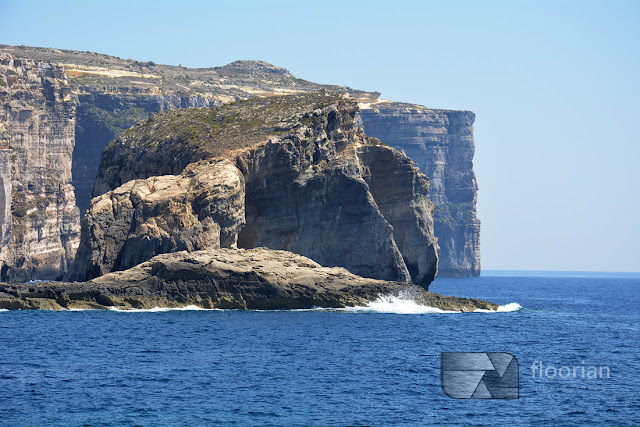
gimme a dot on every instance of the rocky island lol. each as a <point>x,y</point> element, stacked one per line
<point>275,202</point>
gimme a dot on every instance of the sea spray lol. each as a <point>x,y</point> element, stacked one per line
<point>512,306</point>
<point>404,303</point>
<point>161,309</point>
<point>396,305</point>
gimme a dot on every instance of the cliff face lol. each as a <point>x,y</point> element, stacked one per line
<point>440,142</point>
<point>40,220</point>
<point>305,176</point>
<point>112,94</point>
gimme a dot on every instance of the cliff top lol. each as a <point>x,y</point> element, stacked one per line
<point>219,130</point>
<point>386,105</point>
<point>237,80</point>
<point>168,141</point>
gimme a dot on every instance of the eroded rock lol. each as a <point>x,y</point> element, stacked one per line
<point>313,185</point>
<point>223,278</point>
<point>201,208</point>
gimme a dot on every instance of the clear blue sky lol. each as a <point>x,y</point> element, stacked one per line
<point>555,86</point>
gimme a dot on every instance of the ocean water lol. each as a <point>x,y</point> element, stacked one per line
<point>373,366</point>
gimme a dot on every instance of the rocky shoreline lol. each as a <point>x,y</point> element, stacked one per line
<point>252,279</point>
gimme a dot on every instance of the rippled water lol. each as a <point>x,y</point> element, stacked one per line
<point>320,367</point>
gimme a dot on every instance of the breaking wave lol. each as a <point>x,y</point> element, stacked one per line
<point>512,306</point>
<point>384,304</point>
<point>162,309</point>
<point>404,305</point>
<point>395,305</point>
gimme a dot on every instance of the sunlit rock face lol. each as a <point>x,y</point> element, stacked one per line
<point>39,219</point>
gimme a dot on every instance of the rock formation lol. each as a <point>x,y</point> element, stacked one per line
<point>101,117</point>
<point>306,177</point>
<point>201,208</point>
<point>38,213</point>
<point>112,94</point>
<point>440,142</point>
<point>223,278</point>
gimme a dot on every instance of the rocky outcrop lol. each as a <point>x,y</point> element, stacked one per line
<point>37,126</point>
<point>113,94</point>
<point>306,176</point>
<point>337,213</point>
<point>199,209</point>
<point>224,278</point>
<point>101,117</point>
<point>440,142</point>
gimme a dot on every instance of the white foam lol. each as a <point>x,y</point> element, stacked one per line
<point>512,306</point>
<point>404,305</point>
<point>3,309</point>
<point>384,304</point>
<point>160,309</point>
<point>395,305</point>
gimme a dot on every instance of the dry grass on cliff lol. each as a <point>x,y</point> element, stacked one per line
<point>231,126</point>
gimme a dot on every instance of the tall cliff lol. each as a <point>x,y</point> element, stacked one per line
<point>113,94</point>
<point>440,142</point>
<point>308,180</point>
<point>40,220</point>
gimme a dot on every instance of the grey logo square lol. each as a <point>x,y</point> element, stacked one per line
<point>479,375</point>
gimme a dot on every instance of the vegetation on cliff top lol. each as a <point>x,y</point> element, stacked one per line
<point>221,129</point>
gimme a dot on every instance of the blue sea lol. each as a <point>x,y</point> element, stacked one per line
<point>373,366</point>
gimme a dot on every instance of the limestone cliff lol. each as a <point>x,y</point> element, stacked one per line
<point>440,142</point>
<point>308,180</point>
<point>113,94</point>
<point>38,213</point>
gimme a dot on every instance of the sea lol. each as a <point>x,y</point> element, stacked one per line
<point>575,336</point>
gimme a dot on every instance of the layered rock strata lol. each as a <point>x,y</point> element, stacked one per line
<point>112,94</point>
<point>307,177</point>
<point>37,126</point>
<point>223,278</point>
<point>441,144</point>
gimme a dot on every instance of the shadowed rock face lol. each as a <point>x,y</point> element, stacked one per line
<point>440,142</point>
<point>306,178</point>
<point>400,192</point>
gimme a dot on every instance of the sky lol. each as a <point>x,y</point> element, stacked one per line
<point>555,86</point>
